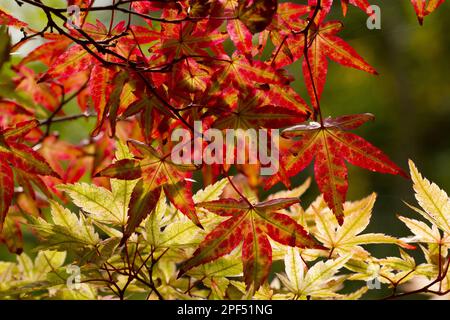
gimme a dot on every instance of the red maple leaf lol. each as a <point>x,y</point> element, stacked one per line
<point>323,44</point>
<point>257,109</point>
<point>330,145</point>
<point>251,224</point>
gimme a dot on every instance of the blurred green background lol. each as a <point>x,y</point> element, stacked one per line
<point>410,99</point>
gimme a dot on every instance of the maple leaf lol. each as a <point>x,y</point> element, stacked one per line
<point>314,282</point>
<point>243,74</point>
<point>251,224</point>
<point>402,269</point>
<point>323,44</point>
<point>216,274</point>
<point>362,4</point>
<point>18,156</point>
<point>187,39</point>
<point>66,230</point>
<point>330,145</point>
<point>6,189</point>
<point>424,7</point>
<point>255,109</point>
<point>154,171</point>
<point>347,238</point>
<point>104,206</point>
<point>200,8</point>
<point>422,232</point>
<point>436,207</point>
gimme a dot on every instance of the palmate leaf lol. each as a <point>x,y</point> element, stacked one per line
<point>45,262</point>
<point>422,232</point>
<point>211,192</point>
<point>404,268</point>
<point>248,17</point>
<point>155,172</point>
<point>243,74</point>
<point>255,109</point>
<point>77,58</point>
<point>347,238</point>
<point>102,205</point>
<point>325,44</point>
<point>314,282</point>
<point>436,207</point>
<point>187,39</point>
<point>250,224</point>
<point>67,230</point>
<point>362,4</point>
<point>241,37</point>
<point>330,145</point>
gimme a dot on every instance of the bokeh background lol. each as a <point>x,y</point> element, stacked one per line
<point>410,99</point>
